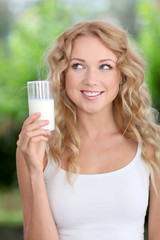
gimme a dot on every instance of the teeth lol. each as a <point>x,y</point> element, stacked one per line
<point>91,94</point>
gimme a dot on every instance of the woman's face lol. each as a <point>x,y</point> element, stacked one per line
<point>92,79</point>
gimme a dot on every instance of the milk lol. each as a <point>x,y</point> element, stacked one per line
<point>46,108</point>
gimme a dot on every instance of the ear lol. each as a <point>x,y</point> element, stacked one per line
<point>120,79</point>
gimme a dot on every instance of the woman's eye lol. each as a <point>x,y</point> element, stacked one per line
<point>105,66</point>
<point>77,66</point>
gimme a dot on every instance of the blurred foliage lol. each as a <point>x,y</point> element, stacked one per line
<point>7,156</point>
<point>5,18</point>
<point>10,207</point>
<point>29,38</point>
<point>127,15</point>
<point>35,30</point>
<point>149,39</point>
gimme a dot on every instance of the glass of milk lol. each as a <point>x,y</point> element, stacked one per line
<point>40,99</point>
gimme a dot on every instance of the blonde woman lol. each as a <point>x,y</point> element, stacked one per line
<point>103,159</point>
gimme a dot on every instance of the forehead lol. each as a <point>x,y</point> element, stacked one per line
<point>91,46</point>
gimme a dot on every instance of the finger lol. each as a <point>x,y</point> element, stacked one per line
<point>36,125</point>
<point>52,133</point>
<point>38,139</point>
<point>22,141</point>
<point>18,143</point>
<point>50,136</point>
<point>31,118</point>
<point>38,132</point>
<point>25,137</point>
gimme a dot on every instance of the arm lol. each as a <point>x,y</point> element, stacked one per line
<point>154,205</point>
<point>38,220</point>
<point>154,211</point>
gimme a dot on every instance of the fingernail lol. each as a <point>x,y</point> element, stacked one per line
<point>48,132</point>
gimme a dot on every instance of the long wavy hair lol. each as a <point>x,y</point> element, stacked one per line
<point>132,107</point>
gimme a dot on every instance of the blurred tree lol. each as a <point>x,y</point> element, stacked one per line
<point>125,11</point>
<point>6,18</point>
<point>35,30</point>
<point>29,38</point>
<point>149,39</point>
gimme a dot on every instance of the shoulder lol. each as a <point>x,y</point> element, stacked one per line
<point>155,173</point>
<point>154,204</point>
<point>150,151</point>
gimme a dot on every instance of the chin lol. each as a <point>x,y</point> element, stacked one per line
<point>90,111</point>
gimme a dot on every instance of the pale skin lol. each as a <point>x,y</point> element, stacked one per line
<point>92,71</point>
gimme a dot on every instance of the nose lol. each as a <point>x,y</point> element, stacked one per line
<point>90,77</point>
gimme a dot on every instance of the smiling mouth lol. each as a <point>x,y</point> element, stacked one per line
<point>92,93</point>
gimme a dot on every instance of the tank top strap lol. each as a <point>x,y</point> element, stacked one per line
<point>51,165</point>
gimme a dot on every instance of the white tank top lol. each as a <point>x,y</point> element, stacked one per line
<point>107,206</point>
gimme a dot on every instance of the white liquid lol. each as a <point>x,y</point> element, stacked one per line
<point>46,108</point>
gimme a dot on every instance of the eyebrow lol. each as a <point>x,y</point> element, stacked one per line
<point>107,59</point>
<point>78,59</point>
<point>102,60</point>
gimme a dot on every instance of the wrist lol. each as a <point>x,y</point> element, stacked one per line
<point>36,174</point>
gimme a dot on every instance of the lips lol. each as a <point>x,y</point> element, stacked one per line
<point>91,94</point>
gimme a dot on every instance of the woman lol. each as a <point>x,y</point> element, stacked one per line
<point>103,159</point>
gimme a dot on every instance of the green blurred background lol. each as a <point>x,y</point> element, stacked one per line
<point>27,29</point>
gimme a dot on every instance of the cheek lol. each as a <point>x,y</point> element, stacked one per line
<point>69,85</point>
<point>69,81</point>
<point>113,82</point>
<point>72,80</point>
<point>112,86</point>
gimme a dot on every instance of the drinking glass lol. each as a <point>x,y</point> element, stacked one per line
<point>40,99</point>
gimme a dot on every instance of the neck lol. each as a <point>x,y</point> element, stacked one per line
<point>95,126</point>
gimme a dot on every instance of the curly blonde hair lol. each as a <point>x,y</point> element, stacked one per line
<point>132,107</point>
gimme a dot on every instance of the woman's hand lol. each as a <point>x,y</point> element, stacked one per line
<point>32,142</point>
